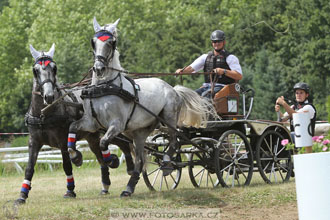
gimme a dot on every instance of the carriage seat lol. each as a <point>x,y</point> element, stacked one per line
<point>226,101</point>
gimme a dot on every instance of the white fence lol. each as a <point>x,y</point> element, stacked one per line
<point>46,155</point>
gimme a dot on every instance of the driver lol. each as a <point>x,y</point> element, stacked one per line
<point>301,90</point>
<point>224,64</point>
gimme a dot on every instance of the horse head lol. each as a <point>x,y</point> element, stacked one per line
<point>44,71</point>
<point>104,46</point>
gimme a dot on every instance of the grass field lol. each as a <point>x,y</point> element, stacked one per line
<point>257,201</point>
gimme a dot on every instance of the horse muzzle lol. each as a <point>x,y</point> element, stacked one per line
<point>99,69</point>
<point>49,99</point>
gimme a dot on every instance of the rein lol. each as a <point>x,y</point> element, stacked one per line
<point>135,74</point>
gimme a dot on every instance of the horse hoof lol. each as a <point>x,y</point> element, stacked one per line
<point>125,194</point>
<point>130,172</point>
<point>104,192</point>
<point>77,160</point>
<point>19,201</point>
<point>69,194</point>
<point>167,168</point>
<point>113,161</point>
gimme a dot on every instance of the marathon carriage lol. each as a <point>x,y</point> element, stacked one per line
<point>226,152</point>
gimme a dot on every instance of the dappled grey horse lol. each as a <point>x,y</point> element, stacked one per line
<point>120,105</point>
<point>52,127</point>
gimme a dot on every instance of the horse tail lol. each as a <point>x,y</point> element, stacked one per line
<point>195,110</point>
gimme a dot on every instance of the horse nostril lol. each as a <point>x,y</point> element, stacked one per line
<point>49,99</point>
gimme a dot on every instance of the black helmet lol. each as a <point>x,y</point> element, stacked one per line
<point>218,35</point>
<point>302,86</point>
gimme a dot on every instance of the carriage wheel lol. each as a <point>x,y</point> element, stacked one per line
<point>152,174</point>
<point>274,161</point>
<point>201,167</point>
<point>233,159</point>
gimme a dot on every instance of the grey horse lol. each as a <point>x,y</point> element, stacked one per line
<point>52,127</point>
<point>129,107</point>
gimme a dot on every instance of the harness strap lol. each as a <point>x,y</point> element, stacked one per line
<point>136,100</point>
<point>95,115</point>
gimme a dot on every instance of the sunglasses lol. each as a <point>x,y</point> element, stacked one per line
<point>216,41</point>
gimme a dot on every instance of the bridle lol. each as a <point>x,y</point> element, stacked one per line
<point>44,61</point>
<point>110,41</point>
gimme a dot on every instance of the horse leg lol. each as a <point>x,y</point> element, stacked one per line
<point>125,148</point>
<point>114,129</point>
<point>94,144</point>
<point>67,166</point>
<point>170,115</point>
<point>84,124</point>
<point>34,148</point>
<point>139,142</point>
<point>167,166</point>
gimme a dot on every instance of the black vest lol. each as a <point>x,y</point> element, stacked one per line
<point>298,106</point>
<point>218,61</point>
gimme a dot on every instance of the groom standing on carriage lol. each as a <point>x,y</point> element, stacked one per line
<point>225,66</point>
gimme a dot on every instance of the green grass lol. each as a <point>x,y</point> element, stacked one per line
<point>257,201</point>
<point>8,169</point>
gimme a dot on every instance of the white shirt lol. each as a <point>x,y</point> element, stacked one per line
<point>231,60</point>
<point>306,108</point>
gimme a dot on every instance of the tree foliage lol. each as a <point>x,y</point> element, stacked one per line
<point>278,42</point>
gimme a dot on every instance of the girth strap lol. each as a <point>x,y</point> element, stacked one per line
<point>95,115</point>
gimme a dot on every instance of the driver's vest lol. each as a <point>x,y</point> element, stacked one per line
<point>298,106</point>
<point>218,61</point>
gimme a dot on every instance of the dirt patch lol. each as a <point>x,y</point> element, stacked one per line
<point>248,212</point>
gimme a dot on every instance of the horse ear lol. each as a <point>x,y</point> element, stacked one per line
<point>113,26</point>
<point>96,25</point>
<point>51,51</point>
<point>34,52</point>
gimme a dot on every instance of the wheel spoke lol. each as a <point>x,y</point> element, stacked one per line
<point>233,180</point>
<point>166,183</point>
<point>161,183</point>
<point>266,166</point>
<point>227,166</point>
<point>286,170</point>
<point>201,178</point>
<point>173,178</point>
<point>198,173</point>
<point>155,177</point>
<point>210,178</point>
<point>283,148</point>
<point>243,155</point>
<point>276,146</point>
<point>228,172</point>
<point>157,169</point>
<point>267,144</point>
<point>224,159</point>
<point>243,164</point>
<point>228,152</point>
<point>272,171</point>
<point>279,170</point>
<point>265,152</point>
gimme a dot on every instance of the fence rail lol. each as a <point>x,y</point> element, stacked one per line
<point>46,155</point>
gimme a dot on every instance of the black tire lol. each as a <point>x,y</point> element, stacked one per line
<point>273,160</point>
<point>152,174</point>
<point>233,159</point>
<point>201,167</point>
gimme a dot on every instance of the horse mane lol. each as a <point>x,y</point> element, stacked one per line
<point>116,62</point>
